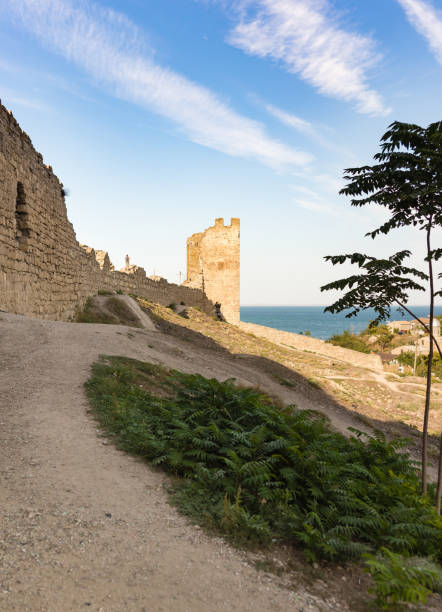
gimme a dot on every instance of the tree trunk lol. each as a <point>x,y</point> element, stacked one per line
<point>436,343</point>
<point>426,418</point>
<point>429,368</point>
<point>439,479</point>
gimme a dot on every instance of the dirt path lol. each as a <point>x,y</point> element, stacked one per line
<point>84,526</point>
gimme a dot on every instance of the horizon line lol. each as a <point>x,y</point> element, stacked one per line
<point>324,305</point>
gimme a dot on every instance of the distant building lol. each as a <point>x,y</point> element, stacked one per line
<point>410,327</point>
<point>416,327</point>
<point>402,327</point>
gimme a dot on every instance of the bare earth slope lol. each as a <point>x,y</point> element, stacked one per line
<point>85,526</point>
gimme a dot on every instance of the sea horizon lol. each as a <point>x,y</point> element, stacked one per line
<point>322,305</point>
<point>301,319</point>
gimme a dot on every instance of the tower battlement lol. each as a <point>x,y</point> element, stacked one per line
<point>213,265</point>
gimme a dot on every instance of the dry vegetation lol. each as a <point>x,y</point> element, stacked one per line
<point>390,403</point>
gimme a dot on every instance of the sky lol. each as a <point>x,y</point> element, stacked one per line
<point>159,116</point>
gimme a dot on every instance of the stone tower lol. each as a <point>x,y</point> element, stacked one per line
<point>213,266</point>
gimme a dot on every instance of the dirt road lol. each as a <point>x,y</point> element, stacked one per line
<point>83,525</point>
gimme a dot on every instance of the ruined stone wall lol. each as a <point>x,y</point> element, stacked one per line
<point>213,265</point>
<point>44,271</point>
<point>315,345</point>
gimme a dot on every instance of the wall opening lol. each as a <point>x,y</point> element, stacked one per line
<point>23,231</point>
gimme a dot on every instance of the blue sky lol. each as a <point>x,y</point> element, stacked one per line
<point>160,115</point>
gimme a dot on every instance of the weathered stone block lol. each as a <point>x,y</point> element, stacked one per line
<point>213,265</point>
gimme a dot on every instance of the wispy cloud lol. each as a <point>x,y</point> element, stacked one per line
<point>7,66</point>
<point>428,21</point>
<point>112,49</point>
<point>298,124</point>
<point>304,36</point>
<point>314,132</point>
<point>11,99</point>
<point>310,200</point>
<point>316,206</point>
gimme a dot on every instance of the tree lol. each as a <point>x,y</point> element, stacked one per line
<point>348,340</point>
<point>406,181</point>
<point>382,334</point>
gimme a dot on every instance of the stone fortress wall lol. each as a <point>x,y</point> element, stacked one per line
<point>213,265</point>
<point>44,271</point>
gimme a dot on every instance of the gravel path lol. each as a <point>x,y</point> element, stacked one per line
<point>85,526</point>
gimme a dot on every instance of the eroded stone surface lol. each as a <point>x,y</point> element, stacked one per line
<point>213,258</point>
<point>44,271</point>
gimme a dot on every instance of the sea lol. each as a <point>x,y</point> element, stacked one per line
<point>320,324</point>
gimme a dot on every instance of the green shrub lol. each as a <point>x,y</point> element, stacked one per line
<point>399,580</point>
<point>285,381</point>
<point>348,340</point>
<point>256,471</point>
<point>172,306</point>
<point>407,358</point>
<point>381,332</point>
<point>104,292</point>
<point>119,291</point>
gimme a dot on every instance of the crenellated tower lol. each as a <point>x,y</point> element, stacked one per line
<point>213,265</point>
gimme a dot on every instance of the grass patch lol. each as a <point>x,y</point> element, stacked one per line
<point>285,382</point>
<point>113,312</point>
<point>392,378</point>
<point>122,312</point>
<point>104,292</point>
<point>258,472</point>
<point>91,314</point>
<point>407,407</point>
<point>314,383</point>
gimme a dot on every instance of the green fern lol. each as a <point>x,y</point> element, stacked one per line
<point>299,482</point>
<point>399,580</point>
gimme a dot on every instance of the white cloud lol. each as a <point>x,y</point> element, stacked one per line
<point>315,132</point>
<point>10,99</point>
<point>111,48</point>
<point>301,125</point>
<point>316,206</point>
<point>427,21</point>
<point>303,36</point>
<point>309,199</point>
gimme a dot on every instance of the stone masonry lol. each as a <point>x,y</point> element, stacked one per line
<point>44,271</point>
<point>213,266</point>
